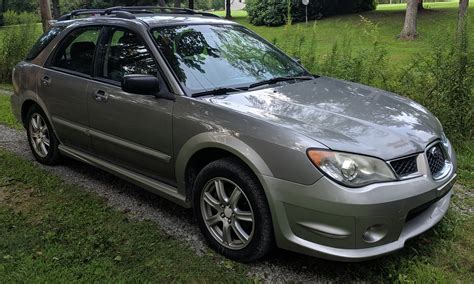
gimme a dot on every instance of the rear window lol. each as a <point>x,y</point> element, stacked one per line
<point>43,41</point>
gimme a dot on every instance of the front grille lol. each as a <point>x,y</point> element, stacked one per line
<point>436,159</point>
<point>404,167</point>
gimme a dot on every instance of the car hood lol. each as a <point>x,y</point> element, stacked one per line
<point>342,115</point>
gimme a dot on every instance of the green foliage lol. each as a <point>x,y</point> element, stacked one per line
<point>274,12</point>
<point>203,4</point>
<point>16,41</point>
<point>11,18</point>
<point>217,4</point>
<point>20,5</point>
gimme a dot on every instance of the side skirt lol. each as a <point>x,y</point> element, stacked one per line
<point>152,185</point>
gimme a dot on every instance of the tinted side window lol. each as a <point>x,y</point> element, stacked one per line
<point>76,52</point>
<point>43,41</point>
<point>126,53</point>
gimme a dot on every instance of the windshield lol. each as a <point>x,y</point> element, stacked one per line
<point>206,57</point>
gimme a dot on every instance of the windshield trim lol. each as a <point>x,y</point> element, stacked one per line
<point>186,91</point>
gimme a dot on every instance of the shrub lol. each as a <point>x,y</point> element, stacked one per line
<point>16,41</point>
<point>274,12</point>
<point>202,4</point>
<point>217,4</point>
<point>11,18</point>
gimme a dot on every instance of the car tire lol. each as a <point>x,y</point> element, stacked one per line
<point>237,222</point>
<point>43,143</point>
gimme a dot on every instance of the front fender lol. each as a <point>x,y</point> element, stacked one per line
<point>220,140</point>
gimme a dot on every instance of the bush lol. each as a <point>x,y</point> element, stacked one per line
<point>202,4</point>
<point>11,18</point>
<point>217,4</point>
<point>16,41</point>
<point>275,12</point>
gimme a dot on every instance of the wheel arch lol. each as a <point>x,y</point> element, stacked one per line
<point>25,107</point>
<point>30,101</point>
<point>207,147</point>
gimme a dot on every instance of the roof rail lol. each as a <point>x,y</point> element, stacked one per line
<point>128,11</point>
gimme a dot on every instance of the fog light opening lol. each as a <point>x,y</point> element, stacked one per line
<point>375,233</point>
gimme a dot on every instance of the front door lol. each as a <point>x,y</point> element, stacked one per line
<point>129,130</point>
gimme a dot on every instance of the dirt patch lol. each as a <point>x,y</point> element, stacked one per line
<point>21,200</point>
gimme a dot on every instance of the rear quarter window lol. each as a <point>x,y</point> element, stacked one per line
<point>43,41</point>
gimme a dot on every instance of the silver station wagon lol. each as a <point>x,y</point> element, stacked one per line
<point>207,114</point>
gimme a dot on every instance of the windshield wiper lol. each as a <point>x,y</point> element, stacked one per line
<point>281,79</point>
<point>218,91</point>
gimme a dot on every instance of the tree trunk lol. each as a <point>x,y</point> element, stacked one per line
<point>45,10</point>
<point>161,3</point>
<point>227,9</point>
<point>191,4</point>
<point>56,10</point>
<point>409,27</point>
<point>463,4</point>
<point>420,6</point>
<point>177,3</point>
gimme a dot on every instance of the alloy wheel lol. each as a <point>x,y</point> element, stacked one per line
<point>39,135</point>
<point>227,213</point>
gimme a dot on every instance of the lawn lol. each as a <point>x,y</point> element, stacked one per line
<point>434,24</point>
<point>52,232</point>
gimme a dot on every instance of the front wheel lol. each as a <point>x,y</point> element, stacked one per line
<point>232,210</point>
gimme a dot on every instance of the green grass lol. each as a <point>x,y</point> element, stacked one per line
<point>438,20</point>
<point>54,232</point>
<point>6,115</point>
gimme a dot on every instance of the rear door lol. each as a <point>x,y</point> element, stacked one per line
<point>63,83</point>
<point>130,130</point>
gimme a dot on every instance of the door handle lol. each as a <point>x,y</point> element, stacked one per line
<point>46,81</point>
<point>100,96</point>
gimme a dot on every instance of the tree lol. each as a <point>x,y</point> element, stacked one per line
<point>420,6</point>
<point>177,3</point>
<point>409,27</point>
<point>463,4</point>
<point>45,10</point>
<point>56,10</point>
<point>161,3</point>
<point>227,9</point>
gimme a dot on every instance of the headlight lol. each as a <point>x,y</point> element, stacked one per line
<point>351,169</point>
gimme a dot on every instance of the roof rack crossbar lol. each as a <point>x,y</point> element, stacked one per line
<point>150,9</point>
<point>132,10</point>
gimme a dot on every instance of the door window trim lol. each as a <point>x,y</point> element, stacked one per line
<point>106,34</point>
<point>62,42</point>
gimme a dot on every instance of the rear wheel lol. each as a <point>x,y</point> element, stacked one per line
<point>232,210</point>
<point>41,138</point>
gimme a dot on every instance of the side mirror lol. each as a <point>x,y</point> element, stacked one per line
<point>143,85</point>
<point>297,60</point>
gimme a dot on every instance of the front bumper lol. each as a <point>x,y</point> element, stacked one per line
<point>331,221</point>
